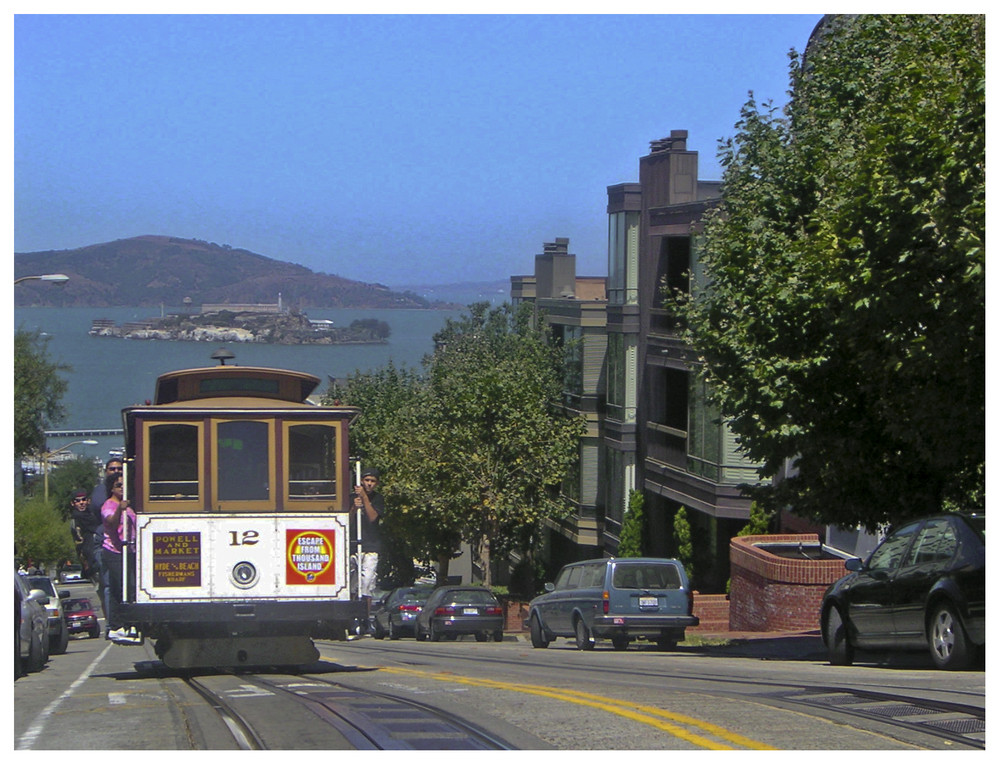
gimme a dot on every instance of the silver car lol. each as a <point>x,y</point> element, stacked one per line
<point>617,599</point>
<point>58,631</point>
<point>31,640</point>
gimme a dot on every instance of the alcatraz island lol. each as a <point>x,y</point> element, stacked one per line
<point>246,323</point>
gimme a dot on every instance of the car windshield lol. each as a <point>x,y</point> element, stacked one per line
<point>78,604</point>
<point>42,583</point>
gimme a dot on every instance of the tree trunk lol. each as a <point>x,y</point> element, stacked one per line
<point>484,559</point>
<point>442,573</point>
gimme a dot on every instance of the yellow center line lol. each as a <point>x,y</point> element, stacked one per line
<point>648,715</point>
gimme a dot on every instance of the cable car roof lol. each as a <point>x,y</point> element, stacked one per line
<point>233,381</point>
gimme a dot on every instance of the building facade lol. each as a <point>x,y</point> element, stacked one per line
<point>650,427</point>
<point>575,310</point>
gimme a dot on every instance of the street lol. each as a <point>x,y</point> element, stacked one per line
<point>762,694</point>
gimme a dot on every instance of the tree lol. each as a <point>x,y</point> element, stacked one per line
<point>630,543</point>
<point>69,476</point>
<point>40,533</point>
<point>684,541</point>
<point>841,313</point>
<point>475,449</point>
<point>38,392</point>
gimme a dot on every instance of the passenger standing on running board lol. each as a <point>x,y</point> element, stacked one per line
<point>372,505</point>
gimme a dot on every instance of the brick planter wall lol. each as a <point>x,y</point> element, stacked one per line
<point>712,612</point>
<point>768,593</point>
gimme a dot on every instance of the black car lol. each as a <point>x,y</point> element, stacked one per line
<point>397,611</point>
<point>456,610</point>
<point>924,586</point>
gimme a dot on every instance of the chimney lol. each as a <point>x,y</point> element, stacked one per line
<point>555,270</point>
<point>676,141</point>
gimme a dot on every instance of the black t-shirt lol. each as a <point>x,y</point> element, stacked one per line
<point>371,534</point>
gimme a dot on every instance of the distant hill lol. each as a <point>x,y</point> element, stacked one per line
<point>150,270</point>
<point>464,293</point>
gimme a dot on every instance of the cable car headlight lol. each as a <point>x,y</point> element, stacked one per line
<point>244,575</point>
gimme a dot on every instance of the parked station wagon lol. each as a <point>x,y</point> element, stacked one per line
<point>618,599</point>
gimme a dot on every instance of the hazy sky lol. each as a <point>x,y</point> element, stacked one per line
<point>397,149</point>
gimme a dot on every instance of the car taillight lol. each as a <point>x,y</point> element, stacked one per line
<point>413,608</point>
<point>494,611</point>
<point>690,594</point>
<point>444,610</point>
<point>606,601</point>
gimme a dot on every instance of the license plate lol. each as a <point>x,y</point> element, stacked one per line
<point>648,602</point>
<point>470,611</point>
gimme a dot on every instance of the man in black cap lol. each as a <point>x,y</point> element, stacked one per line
<point>372,506</point>
<point>84,529</point>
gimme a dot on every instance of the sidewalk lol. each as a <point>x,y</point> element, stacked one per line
<point>783,646</point>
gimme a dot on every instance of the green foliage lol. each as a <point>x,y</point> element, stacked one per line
<point>630,545</point>
<point>40,533</point>
<point>38,392</point>
<point>759,523</point>
<point>68,477</point>
<point>376,328</point>
<point>684,541</point>
<point>473,450</point>
<point>841,317</point>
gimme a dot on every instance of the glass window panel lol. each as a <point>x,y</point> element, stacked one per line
<point>312,462</point>
<point>890,553</point>
<point>243,460</point>
<point>173,462</point>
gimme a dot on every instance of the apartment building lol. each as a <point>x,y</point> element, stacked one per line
<point>649,425</point>
<point>575,309</point>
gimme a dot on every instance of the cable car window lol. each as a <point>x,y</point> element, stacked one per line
<point>173,462</point>
<point>243,460</point>
<point>312,462</point>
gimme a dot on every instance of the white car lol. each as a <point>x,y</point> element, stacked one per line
<point>72,573</point>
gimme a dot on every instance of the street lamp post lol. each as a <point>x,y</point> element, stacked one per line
<point>53,278</point>
<point>46,456</point>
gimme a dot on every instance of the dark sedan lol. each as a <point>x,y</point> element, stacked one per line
<point>460,610</point>
<point>397,612</point>
<point>924,586</point>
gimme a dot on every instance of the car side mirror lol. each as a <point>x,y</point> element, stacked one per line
<point>854,564</point>
<point>39,597</point>
<point>63,594</point>
<point>549,587</point>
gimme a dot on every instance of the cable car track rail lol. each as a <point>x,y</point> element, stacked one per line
<point>364,719</point>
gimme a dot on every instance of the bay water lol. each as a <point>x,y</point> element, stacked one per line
<point>110,373</point>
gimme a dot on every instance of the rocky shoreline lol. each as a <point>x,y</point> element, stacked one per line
<point>245,327</point>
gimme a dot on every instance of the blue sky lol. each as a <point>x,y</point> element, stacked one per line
<point>397,149</point>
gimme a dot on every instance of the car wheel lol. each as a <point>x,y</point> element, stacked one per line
<point>666,644</point>
<point>95,632</point>
<point>620,642</point>
<point>583,639</point>
<point>838,641</point>
<point>37,655</point>
<point>418,634</point>
<point>57,645</point>
<point>435,635</point>
<point>482,637</point>
<point>498,636</point>
<point>393,632</point>
<point>946,638</point>
<point>537,635</point>
<point>377,632</point>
